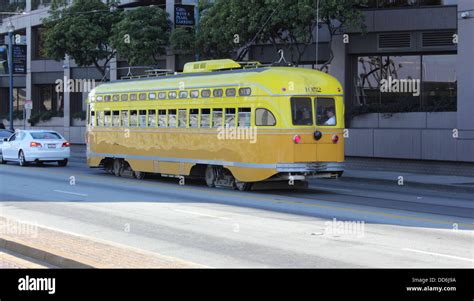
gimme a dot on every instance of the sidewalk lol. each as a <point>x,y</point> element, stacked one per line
<point>67,250</point>
<point>357,173</point>
<point>450,183</point>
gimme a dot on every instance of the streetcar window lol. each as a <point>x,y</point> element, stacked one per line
<point>162,95</point>
<point>99,98</point>
<point>124,97</point>
<point>230,118</point>
<point>162,118</point>
<point>264,117</point>
<point>142,96</point>
<point>133,119</point>
<point>194,93</point>
<point>217,93</point>
<point>193,118</point>
<point>125,119</point>
<point>107,98</point>
<point>151,118</point>
<point>245,91</point>
<point>182,118</point>
<point>142,118</point>
<point>216,118</point>
<point>325,111</point>
<point>116,97</point>
<point>301,111</point>
<point>205,118</point>
<point>244,117</point>
<point>206,93</point>
<point>172,95</point>
<point>107,119</point>
<point>183,94</point>
<point>152,96</point>
<point>92,119</point>
<point>133,97</point>
<point>172,118</point>
<point>115,118</point>
<point>230,92</point>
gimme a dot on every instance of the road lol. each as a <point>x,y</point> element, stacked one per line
<point>333,224</point>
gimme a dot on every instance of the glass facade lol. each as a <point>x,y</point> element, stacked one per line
<point>405,83</point>
<point>407,3</point>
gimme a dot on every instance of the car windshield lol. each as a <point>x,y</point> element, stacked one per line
<point>45,135</point>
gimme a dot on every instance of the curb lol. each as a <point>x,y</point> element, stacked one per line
<point>41,255</point>
<point>432,186</point>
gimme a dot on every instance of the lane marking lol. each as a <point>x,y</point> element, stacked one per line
<point>201,214</point>
<point>438,254</point>
<point>73,193</point>
<point>256,197</point>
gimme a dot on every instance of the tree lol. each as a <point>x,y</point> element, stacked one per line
<point>183,41</point>
<point>227,26</point>
<point>82,31</point>
<point>142,35</point>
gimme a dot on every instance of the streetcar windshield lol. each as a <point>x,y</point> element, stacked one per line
<point>301,111</point>
<point>325,111</point>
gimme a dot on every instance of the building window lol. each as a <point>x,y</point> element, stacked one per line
<point>439,87</point>
<point>406,3</point>
<point>390,84</point>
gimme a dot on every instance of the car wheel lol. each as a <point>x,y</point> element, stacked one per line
<point>22,159</point>
<point>63,163</point>
<point>1,159</point>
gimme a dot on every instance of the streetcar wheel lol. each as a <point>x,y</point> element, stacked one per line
<point>139,175</point>
<point>117,168</point>
<point>243,186</point>
<point>211,176</point>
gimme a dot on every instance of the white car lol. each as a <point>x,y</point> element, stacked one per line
<point>35,146</point>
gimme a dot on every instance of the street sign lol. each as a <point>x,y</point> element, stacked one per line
<point>184,15</point>
<point>28,105</point>
<point>19,59</point>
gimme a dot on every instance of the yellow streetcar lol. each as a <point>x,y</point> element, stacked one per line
<point>232,124</point>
